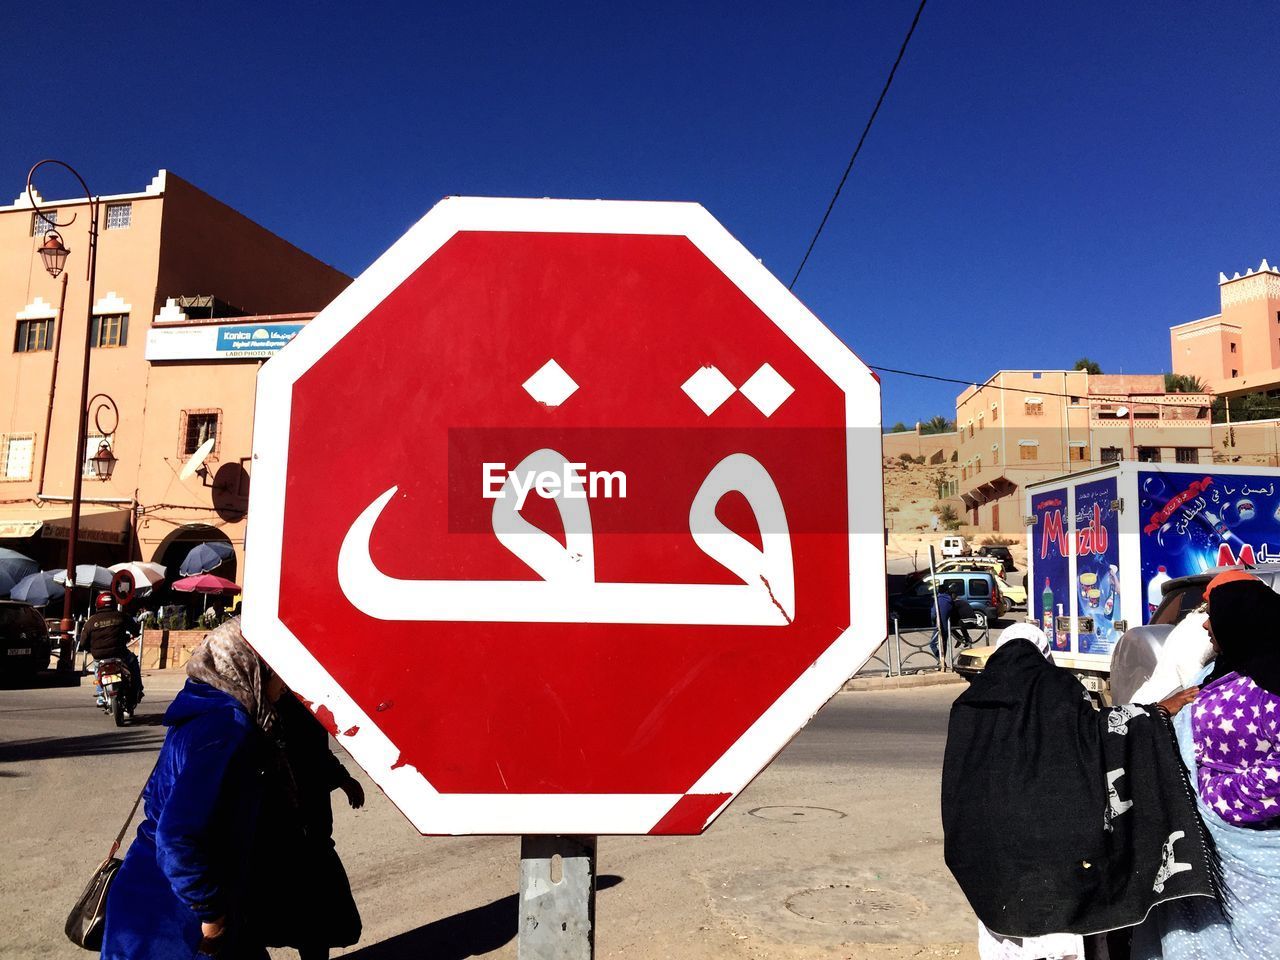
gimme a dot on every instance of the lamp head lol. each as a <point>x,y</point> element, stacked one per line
<point>104,461</point>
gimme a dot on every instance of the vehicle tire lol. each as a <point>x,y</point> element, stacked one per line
<point>117,709</point>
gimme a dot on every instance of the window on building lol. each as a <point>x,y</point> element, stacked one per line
<point>977,465</point>
<point>1187,455</point>
<point>109,330</point>
<point>981,424</point>
<point>119,215</point>
<point>1028,451</point>
<point>1234,374</point>
<point>1111,454</point>
<point>1233,347</point>
<point>1148,454</point>
<point>1033,406</point>
<point>33,335</point>
<point>995,413</point>
<point>1036,376</point>
<point>197,427</point>
<point>971,428</point>
<point>91,442</point>
<point>995,455</point>
<point>16,451</point>
<point>1079,454</point>
<point>42,223</point>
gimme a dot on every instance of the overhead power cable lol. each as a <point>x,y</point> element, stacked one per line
<point>1034,391</point>
<point>861,140</point>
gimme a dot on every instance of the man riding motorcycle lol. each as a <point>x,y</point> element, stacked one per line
<point>105,635</point>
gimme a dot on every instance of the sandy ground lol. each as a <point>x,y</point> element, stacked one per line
<point>835,851</point>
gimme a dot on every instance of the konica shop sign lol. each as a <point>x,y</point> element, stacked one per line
<point>240,341</point>
<point>256,341</point>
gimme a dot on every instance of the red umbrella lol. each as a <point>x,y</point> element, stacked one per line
<point>206,583</point>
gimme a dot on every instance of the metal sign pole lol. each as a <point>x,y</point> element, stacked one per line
<point>943,629</point>
<point>557,898</point>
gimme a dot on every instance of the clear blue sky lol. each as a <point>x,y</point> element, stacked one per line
<point>1045,180</point>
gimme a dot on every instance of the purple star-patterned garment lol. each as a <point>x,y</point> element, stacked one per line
<point>1236,728</point>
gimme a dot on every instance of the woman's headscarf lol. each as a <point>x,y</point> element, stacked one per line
<point>1026,631</point>
<point>1245,616</point>
<point>1228,576</point>
<point>225,662</point>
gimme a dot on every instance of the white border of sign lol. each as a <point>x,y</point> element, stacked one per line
<point>430,811</point>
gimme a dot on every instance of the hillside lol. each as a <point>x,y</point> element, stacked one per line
<point>910,498</point>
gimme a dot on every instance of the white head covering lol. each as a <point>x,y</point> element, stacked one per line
<point>1025,631</point>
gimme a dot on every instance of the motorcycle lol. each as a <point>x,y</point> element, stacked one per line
<point>117,694</point>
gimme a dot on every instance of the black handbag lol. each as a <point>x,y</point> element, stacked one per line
<point>87,918</point>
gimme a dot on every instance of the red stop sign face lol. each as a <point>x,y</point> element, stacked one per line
<point>566,516</point>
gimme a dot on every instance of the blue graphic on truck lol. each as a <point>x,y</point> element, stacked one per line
<point>1191,523</point>
<point>1097,531</point>
<point>1050,593</point>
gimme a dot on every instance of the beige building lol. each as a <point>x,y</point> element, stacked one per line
<point>1236,350</point>
<point>934,447</point>
<point>191,298</point>
<point>1021,426</point>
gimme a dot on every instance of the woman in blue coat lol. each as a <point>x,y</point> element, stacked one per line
<point>180,891</point>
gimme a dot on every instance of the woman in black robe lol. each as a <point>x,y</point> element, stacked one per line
<point>1062,818</point>
<point>304,898</point>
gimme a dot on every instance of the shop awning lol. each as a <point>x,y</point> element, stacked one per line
<point>99,522</point>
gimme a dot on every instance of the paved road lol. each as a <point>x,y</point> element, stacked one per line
<point>835,851</point>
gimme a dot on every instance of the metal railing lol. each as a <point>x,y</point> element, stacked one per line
<point>906,651</point>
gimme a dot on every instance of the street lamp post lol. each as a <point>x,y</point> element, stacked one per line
<point>54,254</point>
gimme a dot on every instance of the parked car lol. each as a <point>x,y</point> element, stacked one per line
<point>914,606</point>
<point>1000,553</point>
<point>1016,595</point>
<point>24,639</point>
<point>954,546</point>
<point>1134,658</point>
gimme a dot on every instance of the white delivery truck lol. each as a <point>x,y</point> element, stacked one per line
<point>1102,542</point>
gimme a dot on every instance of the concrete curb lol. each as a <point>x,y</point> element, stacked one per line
<point>904,682</point>
<point>171,681</point>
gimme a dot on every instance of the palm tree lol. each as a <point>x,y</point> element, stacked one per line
<point>1183,383</point>
<point>937,425</point>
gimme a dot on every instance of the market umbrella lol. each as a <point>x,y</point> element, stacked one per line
<point>38,589</point>
<point>205,557</point>
<point>13,567</point>
<point>145,575</point>
<point>88,575</point>
<point>207,584</point>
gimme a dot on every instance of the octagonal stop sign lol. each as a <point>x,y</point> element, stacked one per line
<point>566,516</point>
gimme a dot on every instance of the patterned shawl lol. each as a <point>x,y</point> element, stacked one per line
<point>1060,818</point>
<point>225,662</point>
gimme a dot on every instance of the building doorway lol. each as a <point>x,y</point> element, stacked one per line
<point>174,548</point>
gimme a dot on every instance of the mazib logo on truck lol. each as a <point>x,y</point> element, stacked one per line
<point>1051,566</point>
